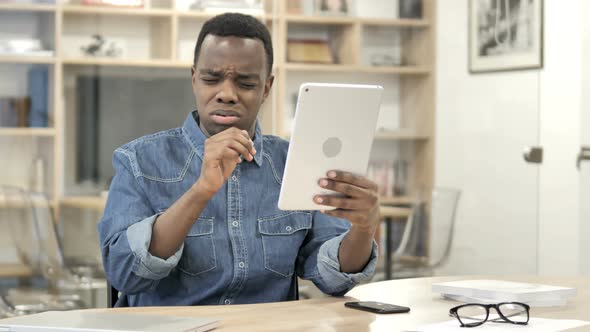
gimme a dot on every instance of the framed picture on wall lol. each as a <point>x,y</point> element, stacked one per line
<point>505,35</point>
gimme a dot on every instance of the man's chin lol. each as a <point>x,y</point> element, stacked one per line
<point>210,129</point>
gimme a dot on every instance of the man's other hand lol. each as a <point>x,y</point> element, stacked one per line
<point>360,204</point>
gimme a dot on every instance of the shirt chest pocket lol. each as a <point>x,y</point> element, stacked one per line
<point>282,237</point>
<point>198,255</point>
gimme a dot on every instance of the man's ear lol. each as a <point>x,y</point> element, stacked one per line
<point>193,76</point>
<point>267,86</point>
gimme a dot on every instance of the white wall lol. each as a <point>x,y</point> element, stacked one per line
<point>514,217</point>
<point>483,123</point>
<point>559,209</point>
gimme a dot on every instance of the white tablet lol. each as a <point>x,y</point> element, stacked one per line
<point>333,130</point>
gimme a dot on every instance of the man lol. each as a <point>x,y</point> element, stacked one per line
<point>192,214</point>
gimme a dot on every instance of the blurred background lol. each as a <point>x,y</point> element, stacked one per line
<point>479,153</point>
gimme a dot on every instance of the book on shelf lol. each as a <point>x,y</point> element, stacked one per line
<point>38,85</point>
<point>14,111</point>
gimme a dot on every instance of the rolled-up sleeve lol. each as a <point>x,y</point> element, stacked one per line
<point>329,267</point>
<point>318,258</point>
<point>125,232</point>
<point>139,236</point>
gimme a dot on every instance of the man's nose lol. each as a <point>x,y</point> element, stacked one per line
<point>227,93</point>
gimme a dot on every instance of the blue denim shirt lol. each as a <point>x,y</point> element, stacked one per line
<point>242,249</point>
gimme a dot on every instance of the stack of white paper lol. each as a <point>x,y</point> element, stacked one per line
<point>535,324</point>
<point>495,291</point>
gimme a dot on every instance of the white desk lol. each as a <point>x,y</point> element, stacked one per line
<point>329,314</point>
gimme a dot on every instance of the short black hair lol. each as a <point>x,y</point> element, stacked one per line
<point>236,25</point>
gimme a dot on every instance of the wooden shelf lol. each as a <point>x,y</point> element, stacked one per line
<point>327,20</point>
<point>46,132</point>
<point>29,7</point>
<point>414,260</point>
<point>402,70</point>
<point>395,213</point>
<point>396,200</point>
<point>84,202</point>
<point>15,270</point>
<point>402,23</point>
<point>27,59</point>
<point>126,63</point>
<point>399,135</point>
<point>207,15</point>
<point>367,21</point>
<point>105,10</point>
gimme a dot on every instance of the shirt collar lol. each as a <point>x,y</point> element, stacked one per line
<point>196,137</point>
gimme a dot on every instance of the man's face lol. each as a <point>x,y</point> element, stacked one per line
<point>230,83</point>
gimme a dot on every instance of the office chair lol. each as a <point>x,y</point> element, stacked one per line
<point>416,258</point>
<point>62,276</point>
<point>17,210</point>
<point>113,294</point>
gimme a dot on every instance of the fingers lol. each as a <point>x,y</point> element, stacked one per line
<point>231,139</point>
<point>341,202</point>
<point>343,187</point>
<point>351,216</point>
<point>357,180</point>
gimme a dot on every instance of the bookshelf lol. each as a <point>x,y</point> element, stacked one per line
<point>167,37</point>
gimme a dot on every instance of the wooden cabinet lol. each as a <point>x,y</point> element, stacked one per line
<point>162,38</point>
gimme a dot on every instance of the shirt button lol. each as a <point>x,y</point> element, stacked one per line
<point>235,224</point>
<point>289,228</point>
<point>235,178</point>
<point>241,264</point>
<point>227,302</point>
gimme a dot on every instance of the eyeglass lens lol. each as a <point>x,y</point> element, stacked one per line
<point>514,312</point>
<point>472,315</point>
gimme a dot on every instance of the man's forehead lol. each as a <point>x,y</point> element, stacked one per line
<point>244,55</point>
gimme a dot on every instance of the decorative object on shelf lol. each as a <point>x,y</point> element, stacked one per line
<point>333,7</point>
<point>24,47</point>
<point>37,180</point>
<point>410,8</point>
<point>384,59</point>
<point>15,111</point>
<point>251,7</point>
<point>117,3</point>
<point>505,35</point>
<point>309,51</point>
<point>97,48</point>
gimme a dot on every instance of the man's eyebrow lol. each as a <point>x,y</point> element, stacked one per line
<point>245,76</point>
<point>217,73</point>
<point>210,72</point>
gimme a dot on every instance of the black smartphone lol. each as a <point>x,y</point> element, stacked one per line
<point>377,307</point>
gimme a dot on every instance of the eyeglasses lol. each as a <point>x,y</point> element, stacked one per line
<point>475,314</point>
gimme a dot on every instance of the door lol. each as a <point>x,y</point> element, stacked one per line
<point>565,188</point>
<point>584,152</point>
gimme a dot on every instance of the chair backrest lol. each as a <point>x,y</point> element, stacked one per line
<point>442,225</point>
<point>113,297</point>
<point>6,309</point>
<point>437,215</point>
<point>52,260</point>
<point>16,213</point>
